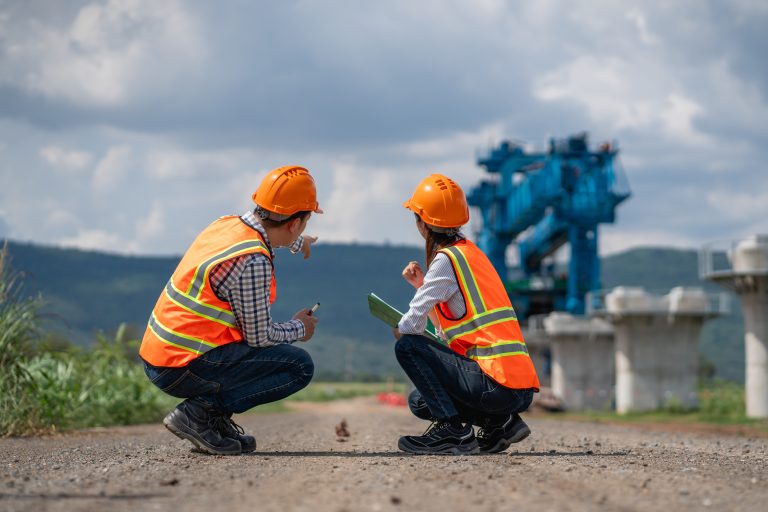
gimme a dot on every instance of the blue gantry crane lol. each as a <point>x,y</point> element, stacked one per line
<point>540,201</point>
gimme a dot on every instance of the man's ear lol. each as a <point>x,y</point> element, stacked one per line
<point>294,225</point>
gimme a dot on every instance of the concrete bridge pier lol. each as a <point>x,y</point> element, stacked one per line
<point>582,361</point>
<point>656,346</point>
<point>746,274</point>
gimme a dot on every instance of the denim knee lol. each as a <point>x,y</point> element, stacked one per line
<point>305,364</point>
<point>403,345</point>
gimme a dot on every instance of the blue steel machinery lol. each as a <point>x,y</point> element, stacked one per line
<point>540,201</point>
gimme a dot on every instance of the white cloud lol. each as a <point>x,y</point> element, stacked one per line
<point>357,204</point>
<point>152,226</point>
<point>614,239</point>
<point>105,54</point>
<point>625,95</point>
<point>460,144</point>
<point>637,17</point>
<point>175,163</point>
<point>112,169</point>
<point>68,159</point>
<point>59,218</point>
<point>97,239</point>
<point>739,206</point>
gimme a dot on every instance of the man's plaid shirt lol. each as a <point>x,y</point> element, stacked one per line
<point>244,282</point>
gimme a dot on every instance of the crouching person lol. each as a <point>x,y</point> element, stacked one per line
<point>211,339</point>
<point>481,375</point>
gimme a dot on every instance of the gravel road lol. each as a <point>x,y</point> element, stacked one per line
<point>300,465</point>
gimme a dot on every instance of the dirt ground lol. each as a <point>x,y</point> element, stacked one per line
<point>299,465</point>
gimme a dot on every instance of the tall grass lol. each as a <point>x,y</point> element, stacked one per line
<point>43,391</point>
<point>100,386</point>
<point>18,328</point>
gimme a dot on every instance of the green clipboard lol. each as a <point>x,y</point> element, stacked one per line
<point>392,316</point>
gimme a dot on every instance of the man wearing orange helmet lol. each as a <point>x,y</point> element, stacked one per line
<point>482,375</point>
<point>210,338</point>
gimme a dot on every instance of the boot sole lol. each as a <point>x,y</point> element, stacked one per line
<point>183,432</point>
<point>504,443</point>
<point>469,449</point>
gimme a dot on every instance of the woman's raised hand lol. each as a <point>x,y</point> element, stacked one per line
<point>413,274</point>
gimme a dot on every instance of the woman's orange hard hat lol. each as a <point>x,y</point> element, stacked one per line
<point>439,201</point>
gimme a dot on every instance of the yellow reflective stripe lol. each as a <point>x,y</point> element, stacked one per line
<point>201,272</point>
<point>178,339</point>
<point>474,282</point>
<point>470,286</point>
<point>152,328</point>
<point>199,308</point>
<point>500,349</point>
<point>496,356</point>
<point>487,319</point>
<point>219,260</point>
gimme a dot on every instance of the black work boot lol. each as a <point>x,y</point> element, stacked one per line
<point>496,437</point>
<point>235,431</point>
<point>441,438</point>
<point>202,425</point>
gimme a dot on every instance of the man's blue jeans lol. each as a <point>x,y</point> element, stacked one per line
<point>236,377</point>
<point>449,385</point>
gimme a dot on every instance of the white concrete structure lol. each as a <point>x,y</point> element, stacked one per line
<point>582,361</point>
<point>656,345</point>
<point>746,273</point>
<point>539,348</point>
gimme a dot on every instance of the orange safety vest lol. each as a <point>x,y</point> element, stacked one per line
<point>189,319</point>
<point>488,333</point>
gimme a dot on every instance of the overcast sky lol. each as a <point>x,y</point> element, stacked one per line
<point>128,125</point>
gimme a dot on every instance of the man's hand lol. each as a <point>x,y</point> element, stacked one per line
<point>306,246</point>
<point>396,332</point>
<point>413,274</point>
<point>309,322</point>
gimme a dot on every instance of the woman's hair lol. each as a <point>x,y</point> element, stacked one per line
<point>436,241</point>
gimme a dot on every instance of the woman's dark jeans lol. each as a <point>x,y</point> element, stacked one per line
<point>236,377</point>
<point>449,385</point>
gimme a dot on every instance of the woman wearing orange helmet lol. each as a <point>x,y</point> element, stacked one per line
<point>211,339</point>
<point>481,374</point>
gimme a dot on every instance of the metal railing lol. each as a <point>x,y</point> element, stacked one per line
<point>744,255</point>
<point>677,301</point>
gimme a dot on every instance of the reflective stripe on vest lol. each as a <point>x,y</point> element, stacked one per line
<point>477,305</point>
<point>479,322</point>
<point>176,339</point>
<point>501,349</point>
<point>200,308</point>
<point>201,274</point>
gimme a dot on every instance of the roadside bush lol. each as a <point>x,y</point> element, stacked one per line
<point>42,390</point>
<point>18,327</point>
<point>100,386</point>
<point>722,401</point>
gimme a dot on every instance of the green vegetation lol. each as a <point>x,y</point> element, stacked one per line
<point>43,390</point>
<point>720,403</point>
<point>17,329</point>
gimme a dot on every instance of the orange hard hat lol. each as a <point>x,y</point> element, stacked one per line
<point>439,201</point>
<point>287,190</point>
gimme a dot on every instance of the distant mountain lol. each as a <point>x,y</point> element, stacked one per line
<point>89,291</point>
